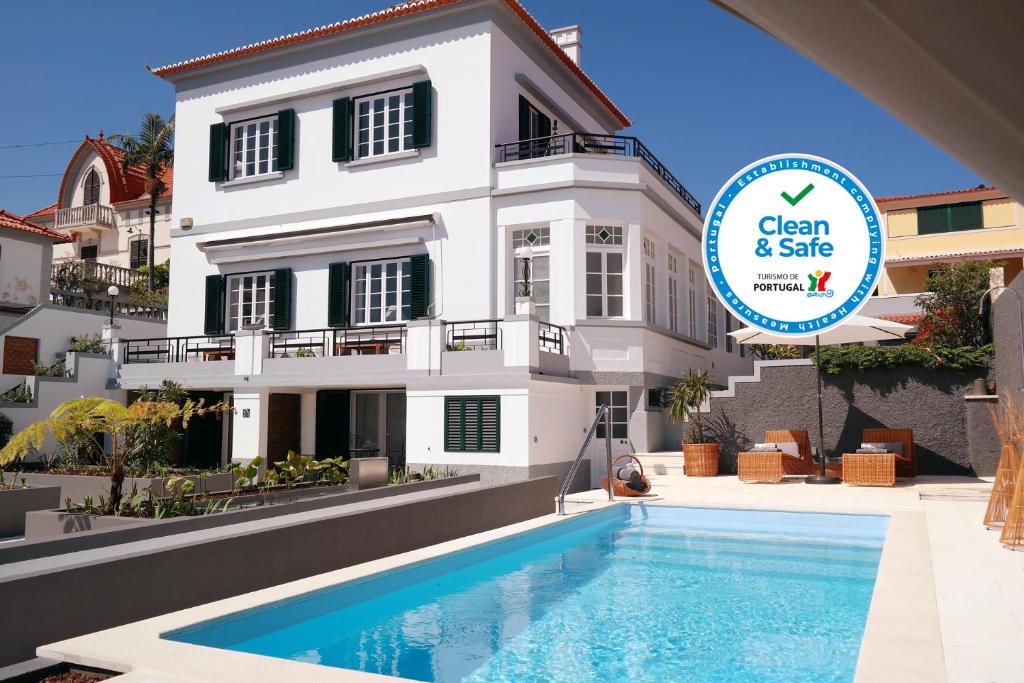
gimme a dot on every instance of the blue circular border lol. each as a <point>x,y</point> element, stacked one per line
<point>732,190</point>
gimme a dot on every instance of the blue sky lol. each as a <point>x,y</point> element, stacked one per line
<point>707,92</point>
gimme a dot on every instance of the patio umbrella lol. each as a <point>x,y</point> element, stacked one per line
<point>856,328</point>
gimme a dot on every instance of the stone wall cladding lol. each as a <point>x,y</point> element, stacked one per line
<point>929,402</point>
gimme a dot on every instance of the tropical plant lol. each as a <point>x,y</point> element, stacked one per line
<point>247,475</point>
<point>153,152</point>
<point>103,416</point>
<point>19,394</point>
<point>295,468</point>
<point>950,304</point>
<point>433,472</point>
<point>685,398</point>
<point>87,343</point>
<point>776,351</point>
<point>55,370</point>
<point>398,475</point>
<point>6,429</point>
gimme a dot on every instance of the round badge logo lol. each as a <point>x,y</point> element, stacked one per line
<point>793,244</point>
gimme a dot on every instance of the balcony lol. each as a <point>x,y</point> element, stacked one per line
<point>598,145</point>
<point>83,284</point>
<point>380,355</point>
<point>88,216</point>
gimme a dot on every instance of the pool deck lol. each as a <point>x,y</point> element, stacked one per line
<point>948,603</point>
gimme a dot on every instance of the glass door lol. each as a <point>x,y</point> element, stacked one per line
<point>394,428</point>
<point>378,425</point>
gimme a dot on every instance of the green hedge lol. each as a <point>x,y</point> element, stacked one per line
<point>837,358</point>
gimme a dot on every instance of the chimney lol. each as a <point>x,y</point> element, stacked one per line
<point>570,39</point>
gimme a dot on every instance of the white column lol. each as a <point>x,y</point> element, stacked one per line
<point>563,280</point>
<point>424,342</point>
<point>502,274</point>
<point>519,340</point>
<point>579,271</point>
<point>249,438</point>
<point>634,275</point>
<point>250,349</point>
<point>110,336</point>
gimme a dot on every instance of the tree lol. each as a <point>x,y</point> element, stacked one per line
<point>685,399</point>
<point>153,151</point>
<point>950,305</point>
<point>120,424</point>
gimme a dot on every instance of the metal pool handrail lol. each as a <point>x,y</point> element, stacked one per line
<point>605,413</point>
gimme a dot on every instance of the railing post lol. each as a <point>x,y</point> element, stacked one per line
<point>250,350</point>
<point>608,450</point>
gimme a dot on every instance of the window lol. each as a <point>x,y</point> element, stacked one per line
<point>472,424</point>
<point>618,402</point>
<point>728,329</point>
<point>91,188</point>
<point>250,300</point>
<point>384,123</point>
<point>949,218</point>
<point>673,292</point>
<point>604,272</point>
<point>649,303</point>
<point>692,294</point>
<point>89,252</point>
<point>254,147</point>
<point>539,241</point>
<point>712,320</point>
<point>138,252</point>
<point>382,292</point>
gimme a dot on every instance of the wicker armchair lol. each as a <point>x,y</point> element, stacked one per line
<point>881,469</point>
<point>767,467</point>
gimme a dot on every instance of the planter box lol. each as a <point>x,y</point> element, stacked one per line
<point>16,503</point>
<point>53,523</point>
<point>78,486</point>
<point>368,473</point>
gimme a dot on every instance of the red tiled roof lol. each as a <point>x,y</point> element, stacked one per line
<point>906,318</point>
<point>15,222</point>
<point>43,212</point>
<point>399,10</point>
<point>899,198</point>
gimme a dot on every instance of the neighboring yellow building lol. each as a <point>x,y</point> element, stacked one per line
<point>979,224</point>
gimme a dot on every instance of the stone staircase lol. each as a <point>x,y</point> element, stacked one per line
<point>662,463</point>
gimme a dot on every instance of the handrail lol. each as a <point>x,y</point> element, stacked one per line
<point>602,412</point>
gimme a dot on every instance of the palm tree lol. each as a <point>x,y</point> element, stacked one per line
<point>153,150</point>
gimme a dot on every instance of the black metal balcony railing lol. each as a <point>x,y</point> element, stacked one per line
<point>472,335</point>
<point>552,338</point>
<point>349,341</point>
<point>179,349</point>
<point>589,143</point>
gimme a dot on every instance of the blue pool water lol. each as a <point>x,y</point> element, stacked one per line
<point>632,592</point>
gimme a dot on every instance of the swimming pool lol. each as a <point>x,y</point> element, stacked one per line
<point>632,592</point>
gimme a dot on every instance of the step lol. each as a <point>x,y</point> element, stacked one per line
<point>667,462</point>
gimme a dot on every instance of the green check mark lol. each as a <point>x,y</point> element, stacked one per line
<point>793,201</point>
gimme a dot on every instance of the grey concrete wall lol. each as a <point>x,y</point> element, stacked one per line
<point>16,502</point>
<point>142,529</point>
<point>1007,362</point>
<point>982,441</point>
<point>491,475</point>
<point>78,486</point>
<point>70,599</point>
<point>927,401</point>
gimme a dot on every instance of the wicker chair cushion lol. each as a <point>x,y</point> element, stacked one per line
<point>790,449</point>
<point>873,444</point>
<point>879,451</point>
<point>760,447</point>
<point>894,447</point>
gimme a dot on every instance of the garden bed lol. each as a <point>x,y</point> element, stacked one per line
<point>96,483</point>
<point>15,503</point>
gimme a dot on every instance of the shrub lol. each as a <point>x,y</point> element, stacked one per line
<point>87,343</point>
<point>6,429</point>
<point>950,304</point>
<point>834,359</point>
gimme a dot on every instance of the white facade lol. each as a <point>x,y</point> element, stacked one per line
<point>475,211</point>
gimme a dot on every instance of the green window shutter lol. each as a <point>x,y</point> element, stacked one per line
<point>218,149</point>
<point>286,139</point>
<point>422,106</point>
<point>966,216</point>
<point>490,424</point>
<point>932,219</point>
<point>213,320</point>
<point>419,270</point>
<point>524,118</point>
<point>282,299</point>
<point>337,295</point>
<point>342,127</point>
<point>472,424</point>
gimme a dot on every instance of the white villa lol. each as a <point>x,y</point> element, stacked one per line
<point>418,234</point>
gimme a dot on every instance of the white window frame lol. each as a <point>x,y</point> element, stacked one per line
<point>673,292</point>
<point>368,134</point>
<point>618,402</point>
<point>712,307</point>
<point>242,146</point>
<point>240,284</point>
<point>650,275</point>
<point>362,297</point>
<point>692,294</point>
<point>540,249</point>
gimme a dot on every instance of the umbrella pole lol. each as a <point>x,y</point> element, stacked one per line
<point>822,477</point>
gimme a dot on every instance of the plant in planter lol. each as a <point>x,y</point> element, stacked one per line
<point>106,418</point>
<point>700,457</point>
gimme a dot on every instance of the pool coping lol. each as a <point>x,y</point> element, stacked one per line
<point>901,639</point>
